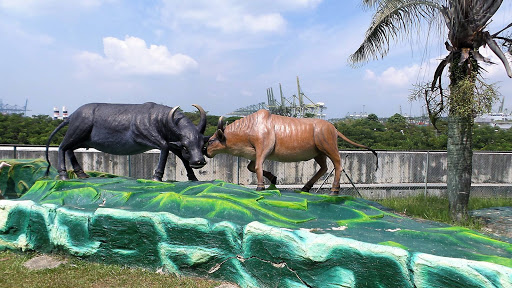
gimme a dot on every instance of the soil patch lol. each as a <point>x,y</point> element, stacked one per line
<point>43,262</point>
<point>497,221</point>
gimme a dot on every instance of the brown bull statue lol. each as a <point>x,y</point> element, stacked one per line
<point>262,135</point>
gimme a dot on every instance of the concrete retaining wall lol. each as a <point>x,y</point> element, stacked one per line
<point>399,173</point>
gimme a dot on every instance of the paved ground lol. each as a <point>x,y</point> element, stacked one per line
<point>498,221</point>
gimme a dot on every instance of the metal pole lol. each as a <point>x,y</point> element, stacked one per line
<point>324,181</point>
<point>129,166</point>
<point>345,172</point>
<point>360,196</point>
<point>238,170</point>
<point>426,174</point>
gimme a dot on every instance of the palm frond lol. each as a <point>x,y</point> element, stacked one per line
<point>392,19</point>
<point>496,49</point>
<point>370,3</point>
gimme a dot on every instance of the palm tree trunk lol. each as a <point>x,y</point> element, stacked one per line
<point>460,135</point>
<point>459,165</point>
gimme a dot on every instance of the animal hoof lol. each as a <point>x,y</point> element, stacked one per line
<point>81,174</point>
<point>259,188</point>
<point>63,175</point>
<point>192,177</point>
<point>334,193</point>
<point>155,178</point>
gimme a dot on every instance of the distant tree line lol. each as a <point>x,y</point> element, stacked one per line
<point>35,130</point>
<point>394,134</point>
<point>398,134</point>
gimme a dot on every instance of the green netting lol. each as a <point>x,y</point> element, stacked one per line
<point>235,233</point>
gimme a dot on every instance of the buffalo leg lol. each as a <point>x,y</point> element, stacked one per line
<point>321,160</point>
<point>190,172</point>
<point>77,133</point>
<point>162,160</point>
<point>336,161</point>
<point>79,172</point>
<point>63,173</point>
<point>271,177</point>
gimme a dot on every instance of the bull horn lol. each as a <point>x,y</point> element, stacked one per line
<point>171,118</point>
<point>220,124</point>
<point>202,122</point>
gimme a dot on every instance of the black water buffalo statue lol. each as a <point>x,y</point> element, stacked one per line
<point>127,129</point>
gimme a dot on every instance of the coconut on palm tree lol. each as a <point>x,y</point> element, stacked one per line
<point>466,23</point>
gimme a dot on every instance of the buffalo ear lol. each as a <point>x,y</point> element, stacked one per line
<point>175,145</point>
<point>220,135</point>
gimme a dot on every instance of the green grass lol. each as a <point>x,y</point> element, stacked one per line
<point>78,273</point>
<point>436,208</point>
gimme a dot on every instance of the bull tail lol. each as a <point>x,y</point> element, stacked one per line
<point>66,122</point>
<point>361,146</point>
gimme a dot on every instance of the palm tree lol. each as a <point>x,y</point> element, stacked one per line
<point>465,22</point>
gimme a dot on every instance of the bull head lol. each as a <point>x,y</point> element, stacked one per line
<point>201,127</point>
<point>191,142</point>
<point>217,142</point>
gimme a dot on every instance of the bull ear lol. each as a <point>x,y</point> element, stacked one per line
<point>175,145</point>
<point>220,135</point>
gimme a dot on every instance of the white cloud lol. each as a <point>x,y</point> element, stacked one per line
<point>234,22</point>
<point>396,77</point>
<point>232,16</point>
<point>497,69</point>
<point>369,75</point>
<point>300,4</point>
<point>266,22</point>
<point>33,7</point>
<point>17,31</point>
<point>132,57</point>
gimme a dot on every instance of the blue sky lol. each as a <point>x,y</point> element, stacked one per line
<point>220,54</point>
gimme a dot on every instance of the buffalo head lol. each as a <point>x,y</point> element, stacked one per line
<point>217,143</point>
<point>191,139</point>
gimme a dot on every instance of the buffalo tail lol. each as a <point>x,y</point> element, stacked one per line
<point>361,146</point>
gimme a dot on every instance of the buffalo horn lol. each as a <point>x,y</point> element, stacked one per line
<point>220,124</point>
<point>171,118</point>
<point>202,122</point>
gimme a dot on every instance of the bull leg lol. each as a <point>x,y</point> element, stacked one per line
<point>321,160</point>
<point>79,172</point>
<point>61,166</point>
<point>252,167</point>
<point>77,133</point>
<point>162,160</point>
<point>334,155</point>
<point>271,177</point>
<point>190,172</point>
